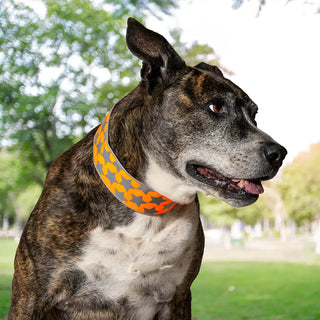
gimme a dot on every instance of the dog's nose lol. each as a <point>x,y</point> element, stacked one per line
<point>274,153</point>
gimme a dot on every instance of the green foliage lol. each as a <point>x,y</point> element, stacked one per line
<point>8,183</point>
<point>300,186</point>
<point>194,53</point>
<point>224,215</point>
<point>25,202</point>
<point>238,3</point>
<point>50,91</point>
<point>59,73</point>
<point>261,3</point>
<point>18,195</point>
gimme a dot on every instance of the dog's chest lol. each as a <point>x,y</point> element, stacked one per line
<point>143,261</point>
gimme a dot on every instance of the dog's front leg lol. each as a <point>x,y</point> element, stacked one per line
<point>24,309</point>
<point>25,304</point>
<point>180,307</point>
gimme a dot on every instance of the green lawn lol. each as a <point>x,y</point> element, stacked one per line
<point>228,290</point>
<point>257,291</point>
<point>7,251</point>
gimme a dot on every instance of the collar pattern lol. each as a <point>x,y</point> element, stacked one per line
<point>128,190</point>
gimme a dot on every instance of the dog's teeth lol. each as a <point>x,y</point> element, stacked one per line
<point>241,183</point>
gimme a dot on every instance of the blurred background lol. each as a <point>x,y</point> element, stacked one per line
<point>64,63</point>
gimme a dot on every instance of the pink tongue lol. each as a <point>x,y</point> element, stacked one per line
<point>253,186</point>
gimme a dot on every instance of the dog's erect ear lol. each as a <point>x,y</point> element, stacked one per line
<point>160,61</point>
<point>208,67</point>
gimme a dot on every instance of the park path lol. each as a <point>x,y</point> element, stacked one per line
<point>295,250</point>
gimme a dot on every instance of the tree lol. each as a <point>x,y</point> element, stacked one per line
<point>8,165</point>
<point>59,73</point>
<point>269,208</point>
<point>224,215</point>
<point>60,70</point>
<point>238,3</point>
<point>300,186</point>
<point>17,197</point>
<point>194,53</point>
<point>300,189</point>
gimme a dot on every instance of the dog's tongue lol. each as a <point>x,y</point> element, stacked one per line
<point>253,186</point>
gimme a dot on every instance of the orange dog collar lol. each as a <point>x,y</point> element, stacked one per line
<point>121,184</point>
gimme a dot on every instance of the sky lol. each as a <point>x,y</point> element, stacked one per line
<point>275,56</point>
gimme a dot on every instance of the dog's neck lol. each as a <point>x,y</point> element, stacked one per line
<point>167,184</point>
<point>128,141</point>
<point>125,132</point>
<point>127,189</point>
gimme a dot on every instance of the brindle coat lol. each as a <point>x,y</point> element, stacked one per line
<point>83,254</point>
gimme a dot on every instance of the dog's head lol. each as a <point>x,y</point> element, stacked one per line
<point>201,126</point>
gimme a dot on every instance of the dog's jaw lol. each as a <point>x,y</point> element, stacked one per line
<point>183,191</point>
<point>168,185</point>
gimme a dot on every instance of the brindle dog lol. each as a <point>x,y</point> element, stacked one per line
<point>83,254</point>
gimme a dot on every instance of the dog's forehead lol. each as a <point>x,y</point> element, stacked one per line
<point>200,86</point>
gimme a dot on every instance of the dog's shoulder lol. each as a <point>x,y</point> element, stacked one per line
<point>72,185</point>
<point>73,201</point>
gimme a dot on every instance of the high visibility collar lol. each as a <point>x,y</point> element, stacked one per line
<point>128,190</point>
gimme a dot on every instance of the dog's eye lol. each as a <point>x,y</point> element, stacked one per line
<point>216,108</point>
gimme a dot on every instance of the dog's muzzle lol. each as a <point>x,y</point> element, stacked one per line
<point>274,154</point>
<point>245,188</point>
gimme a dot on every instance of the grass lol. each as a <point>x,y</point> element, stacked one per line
<point>228,290</point>
<point>7,251</point>
<point>257,291</point>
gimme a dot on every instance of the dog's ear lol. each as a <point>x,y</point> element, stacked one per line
<point>208,67</point>
<point>161,63</point>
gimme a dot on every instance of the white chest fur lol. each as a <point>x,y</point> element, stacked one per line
<point>143,261</point>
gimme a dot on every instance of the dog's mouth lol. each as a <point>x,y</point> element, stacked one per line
<point>235,186</point>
